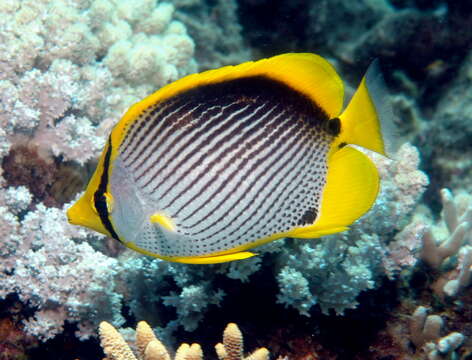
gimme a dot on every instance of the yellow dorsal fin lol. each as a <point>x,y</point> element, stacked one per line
<point>351,188</point>
<point>367,120</point>
<point>307,73</point>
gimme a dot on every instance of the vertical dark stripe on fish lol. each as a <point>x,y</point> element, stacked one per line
<point>99,198</point>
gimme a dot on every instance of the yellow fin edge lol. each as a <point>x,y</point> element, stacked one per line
<point>238,253</point>
<point>352,185</point>
<point>367,121</point>
<point>307,73</point>
<point>83,211</point>
<point>210,259</point>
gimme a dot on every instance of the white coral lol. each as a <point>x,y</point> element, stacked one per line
<point>48,269</point>
<point>89,59</point>
<point>59,80</point>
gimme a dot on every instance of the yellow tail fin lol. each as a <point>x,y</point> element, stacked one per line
<point>367,120</point>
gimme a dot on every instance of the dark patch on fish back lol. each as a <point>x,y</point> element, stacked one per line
<point>256,89</point>
<point>251,90</point>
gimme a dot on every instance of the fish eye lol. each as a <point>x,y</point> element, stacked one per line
<point>334,126</point>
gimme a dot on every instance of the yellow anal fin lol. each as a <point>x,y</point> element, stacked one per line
<point>351,188</point>
<point>367,120</point>
<point>215,259</point>
<point>211,259</point>
<point>163,220</point>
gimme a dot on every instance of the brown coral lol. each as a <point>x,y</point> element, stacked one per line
<point>24,166</point>
<point>14,343</point>
<point>49,181</point>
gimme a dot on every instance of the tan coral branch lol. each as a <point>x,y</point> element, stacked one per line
<point>149,347</point>
<point>113,344</point>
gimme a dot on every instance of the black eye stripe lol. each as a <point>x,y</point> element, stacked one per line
<point>99,198</point>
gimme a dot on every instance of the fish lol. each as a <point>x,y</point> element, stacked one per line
<point>222,161</point>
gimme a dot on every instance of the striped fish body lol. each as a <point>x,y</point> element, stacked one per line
<point>223,161</point>
<point>228,164</point>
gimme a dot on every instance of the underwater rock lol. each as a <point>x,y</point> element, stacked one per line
<point>279,26</point>
<point>215,28</point>
<point>450,128</point>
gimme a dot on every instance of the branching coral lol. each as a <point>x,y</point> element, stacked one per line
<point>450,237</point>
<point>330,271</point>
<point>232,346</point>
<point>425,333</point>
<point>149,347</point>
<point>152,282</point>
<point>78,65</point>
<point>47,264</point>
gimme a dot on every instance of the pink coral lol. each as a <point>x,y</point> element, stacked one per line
<point>403,251</point>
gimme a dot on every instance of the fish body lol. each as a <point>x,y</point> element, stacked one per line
<point>222,161</point>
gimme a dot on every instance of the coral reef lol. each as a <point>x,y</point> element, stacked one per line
<point>425,334</point>
<point>330,272</point>
<point>389,36</point>
<point>334,270</point>
<point>50,267</point>
<point>149,347</point>
<point>449,129</point>
<point>450,237</point>
<point>232,346</point>
<point>434,287</point>
<point>13,342</point>
<point>279,26</point>
<point>70,53</point>
<point>397,285</point>
<point>67,70</point>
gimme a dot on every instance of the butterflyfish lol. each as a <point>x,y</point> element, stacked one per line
<point>219,162</point>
